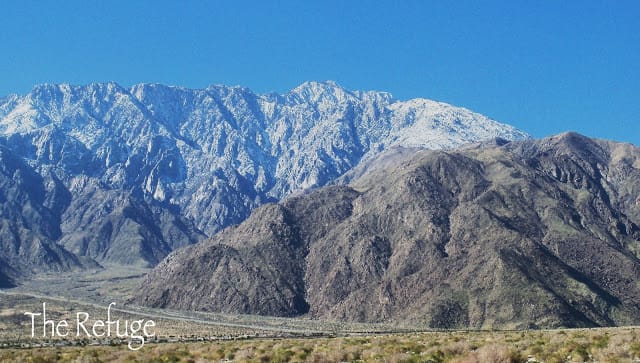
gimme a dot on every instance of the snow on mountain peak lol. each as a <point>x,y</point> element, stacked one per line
<point>212,155</point>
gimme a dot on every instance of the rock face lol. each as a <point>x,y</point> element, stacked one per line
<point>29,224</point>
<point>505,235</point>
<point>127,175</point>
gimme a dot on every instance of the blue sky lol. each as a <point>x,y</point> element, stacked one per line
<point>543,66</point>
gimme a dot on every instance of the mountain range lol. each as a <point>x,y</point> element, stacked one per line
<point>521,234</point>
<point>103,174</point>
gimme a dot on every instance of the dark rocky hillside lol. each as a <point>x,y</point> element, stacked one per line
<point>537,233</point>
<point>5,281</point>
<point>29,225</point>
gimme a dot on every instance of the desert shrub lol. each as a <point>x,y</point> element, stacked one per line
<point>492,353</point>
<point>282,355</point>
<point>44,360</point>
<point>601,341</point>
<point>435,357</point>
<point>319,357</point>
<point>413,347</point>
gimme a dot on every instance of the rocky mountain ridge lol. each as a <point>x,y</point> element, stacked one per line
<point>127,175</point>
<point>535,233</point>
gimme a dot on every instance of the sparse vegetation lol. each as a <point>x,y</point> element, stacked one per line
<point>551,346</point>
<point>205,337</point>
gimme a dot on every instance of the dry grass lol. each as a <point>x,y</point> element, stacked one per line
<point>580,345</point>
<point>593,345</point>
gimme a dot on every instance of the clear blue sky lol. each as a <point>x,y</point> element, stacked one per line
<point>543,66</point>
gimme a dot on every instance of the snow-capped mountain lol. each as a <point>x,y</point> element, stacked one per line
<point>141,171</point>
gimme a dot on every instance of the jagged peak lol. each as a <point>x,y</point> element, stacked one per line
<point>143,90</point>
<point>67,87</point>
<point>314,91</point>
<point>109,85</point>
<point>318,84</point>
<point>224,88</point>
<point>57,92</point>
<point>316,87</point>
<point>155,85</point>
<point>47,90</point>
<point>380,96</point>
<point>309,88</point>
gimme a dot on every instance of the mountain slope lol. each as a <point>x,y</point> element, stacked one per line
<point>150,168</point>
<point>511,235</point>
<point>29,225</point>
